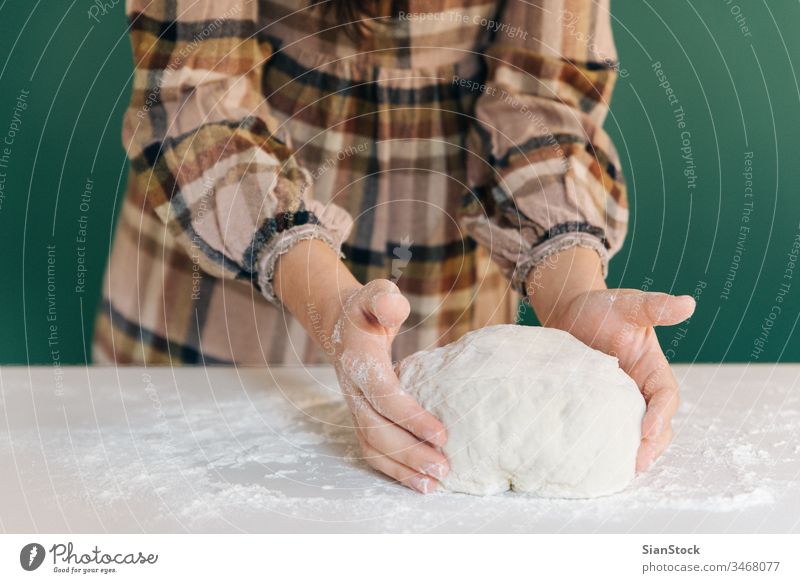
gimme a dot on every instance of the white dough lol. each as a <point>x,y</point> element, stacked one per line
<point>530,409</point>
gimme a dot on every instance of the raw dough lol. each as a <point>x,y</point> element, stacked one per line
<point>530,409</point>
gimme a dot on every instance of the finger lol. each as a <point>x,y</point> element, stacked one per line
<point>398,471</point>
<point>398,444</point>
<point>655,308</point>
<point>660,391</point>
<point>396,405</point>
<point>661,408</point>
<point>376,379</point>
<point>390,309</point>
<point>651,449</point>
<point>383,300</point>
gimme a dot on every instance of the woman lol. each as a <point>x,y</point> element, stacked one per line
<point>308,179</point>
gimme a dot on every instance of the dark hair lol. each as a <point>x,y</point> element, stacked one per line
<point>351,12</point>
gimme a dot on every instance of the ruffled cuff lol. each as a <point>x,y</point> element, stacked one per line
<point>543,251</point>
<point>328,223</point>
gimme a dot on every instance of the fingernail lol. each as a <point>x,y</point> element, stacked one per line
<point>423,484</point>
<point>645,464</point>
<point>649,457</point>
<point>437,470</point>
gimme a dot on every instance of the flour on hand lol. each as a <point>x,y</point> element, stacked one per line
<point>530,409</point>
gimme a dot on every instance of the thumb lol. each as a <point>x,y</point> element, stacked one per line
<point>655,308</point>
<point>383,300</point>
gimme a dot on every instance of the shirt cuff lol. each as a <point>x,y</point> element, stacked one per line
<point>543,251</point>
<point>328,223</point>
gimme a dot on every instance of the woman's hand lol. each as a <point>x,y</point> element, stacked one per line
<point>355,325</point>
<point>568,292</point>
<point>396,435</point>
<point>620,322</point>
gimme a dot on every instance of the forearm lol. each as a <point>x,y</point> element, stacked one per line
<point>557,280</point>
<point>312,283</point>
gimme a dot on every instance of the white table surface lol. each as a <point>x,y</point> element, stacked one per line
<point>268,450</point>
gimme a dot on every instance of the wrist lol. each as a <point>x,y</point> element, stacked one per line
<point>314,285</point>
<point>553,284</point>
<point>333,305</point>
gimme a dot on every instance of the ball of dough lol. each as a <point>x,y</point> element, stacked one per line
<point>530,409</point>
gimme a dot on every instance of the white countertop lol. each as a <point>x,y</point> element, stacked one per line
<point>268,450</point>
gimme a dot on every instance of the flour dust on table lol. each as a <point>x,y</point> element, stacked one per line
<point>251,450</point>
<point>532,410</point>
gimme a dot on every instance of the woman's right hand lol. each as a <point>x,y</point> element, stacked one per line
<point>397,436</point>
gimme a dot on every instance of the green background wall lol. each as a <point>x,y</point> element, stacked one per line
<point>737,86</point>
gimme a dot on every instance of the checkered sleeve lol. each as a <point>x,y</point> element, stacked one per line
<point>218,168</point>
<point>552,175</point>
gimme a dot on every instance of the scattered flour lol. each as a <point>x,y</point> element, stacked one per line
<point>266,461</point>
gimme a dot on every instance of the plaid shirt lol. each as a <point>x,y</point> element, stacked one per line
<point>451,149</point>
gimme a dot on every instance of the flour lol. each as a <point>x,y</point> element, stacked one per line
<point>255,458</point>
<point>530,409</point>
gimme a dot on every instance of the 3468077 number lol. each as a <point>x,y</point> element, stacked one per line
<point>754,566</point>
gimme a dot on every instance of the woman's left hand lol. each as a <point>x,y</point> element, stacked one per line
<point>620,322</point>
